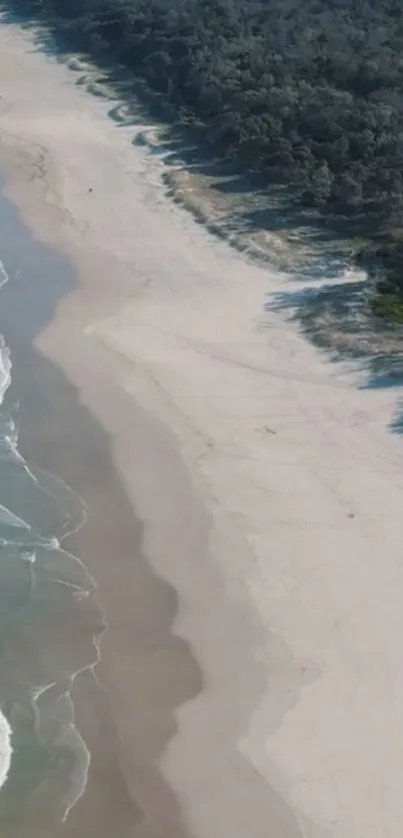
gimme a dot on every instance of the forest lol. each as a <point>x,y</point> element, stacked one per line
<point>307,92</point>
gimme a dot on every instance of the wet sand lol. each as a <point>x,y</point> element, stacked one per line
<point>157,671</point>
<point>219,791</point>
<point>253,657</point>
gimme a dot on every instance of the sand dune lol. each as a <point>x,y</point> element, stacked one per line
<point>289,575</point>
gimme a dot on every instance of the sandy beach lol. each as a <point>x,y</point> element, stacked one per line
<point>245,500</point>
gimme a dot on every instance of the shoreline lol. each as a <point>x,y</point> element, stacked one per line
<point>59,435</point>
<point>153,440</point>
<point>267,483</point>
<point>103,379</point>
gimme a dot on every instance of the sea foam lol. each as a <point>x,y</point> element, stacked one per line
<point>5,379</point>
<point>5,749</point>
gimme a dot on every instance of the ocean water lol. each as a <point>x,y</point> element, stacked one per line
<point>49,617</point>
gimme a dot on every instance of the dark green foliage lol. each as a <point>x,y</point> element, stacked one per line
<point>308,92</point>
<point>389,307</point>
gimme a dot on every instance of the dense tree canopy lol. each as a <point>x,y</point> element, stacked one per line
<point>309,92</point>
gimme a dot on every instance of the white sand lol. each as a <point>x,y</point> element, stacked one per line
<point>296,614</point>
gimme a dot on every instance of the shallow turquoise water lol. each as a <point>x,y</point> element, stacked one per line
<point>49,619</point>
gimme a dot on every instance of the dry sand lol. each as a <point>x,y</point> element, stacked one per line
<point>270,488</point>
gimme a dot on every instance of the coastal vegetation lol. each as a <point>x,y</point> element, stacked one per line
<point>309,93</point>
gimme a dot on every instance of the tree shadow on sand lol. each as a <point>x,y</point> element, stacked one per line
<point>337,318</point>
<point>257,217</point>
<point>245,208</point>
